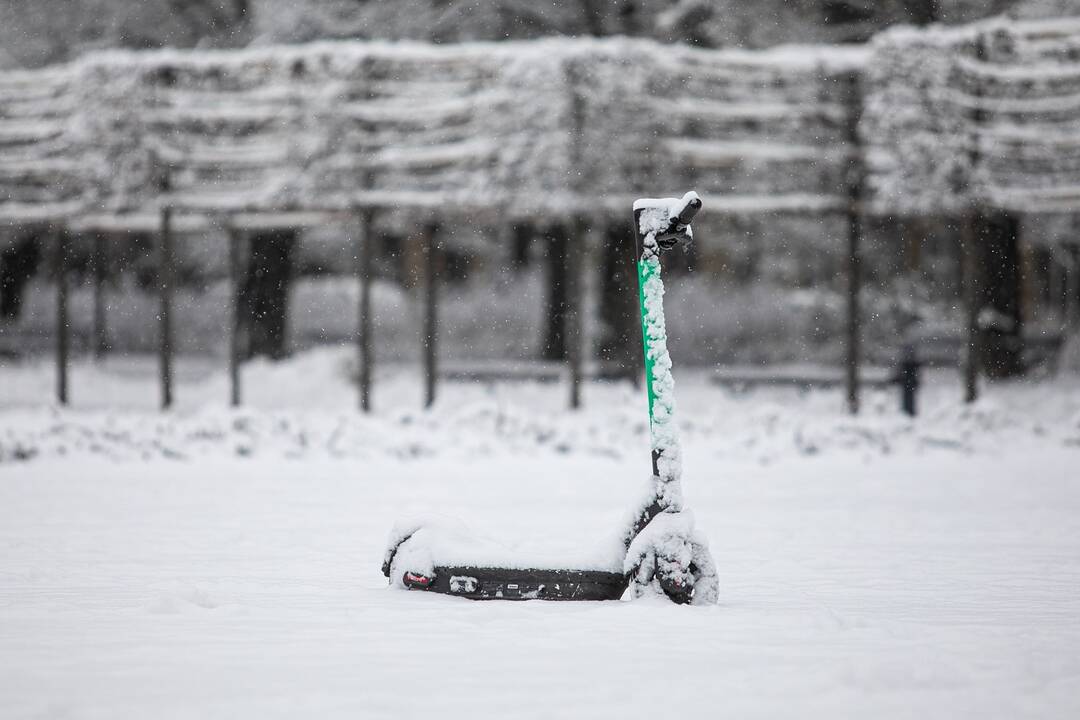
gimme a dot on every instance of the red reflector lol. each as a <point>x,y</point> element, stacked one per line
<point>413,580</point>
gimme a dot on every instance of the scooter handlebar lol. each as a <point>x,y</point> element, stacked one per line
<point>678,226</point>
<point>688,212</point>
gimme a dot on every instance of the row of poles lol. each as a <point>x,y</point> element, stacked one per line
<point>572,275</point>
<point>431,265</point>
<point>432,258</point>
<point>432,262</point>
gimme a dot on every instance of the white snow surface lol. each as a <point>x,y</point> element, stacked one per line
<point>225,564</point>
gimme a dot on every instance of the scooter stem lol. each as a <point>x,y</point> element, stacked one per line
<point>659,383</point>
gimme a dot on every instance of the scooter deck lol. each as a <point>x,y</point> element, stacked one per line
<point>486,583</point>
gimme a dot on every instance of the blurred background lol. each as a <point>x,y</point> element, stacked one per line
<point>835,160</point>
<point>309,208</point>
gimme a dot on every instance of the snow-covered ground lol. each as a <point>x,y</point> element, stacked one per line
<point>212,563</point>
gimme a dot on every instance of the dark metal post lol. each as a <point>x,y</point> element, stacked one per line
<point>574,307</point>
<point>101,330</point>
<point>235,322</point>
<point>972,260</point>
<point>63,329</point>
<point>854,282</point>
<point>1072,289</point>
<point>431,311</point>
<point>972,291</point>
<point>575,250</point>
<point>854,233</point>
<point>909,379</point>
<point>364,252</point>
<point>165,287</point>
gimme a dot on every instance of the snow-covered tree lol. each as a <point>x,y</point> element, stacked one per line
<point>39,32</point>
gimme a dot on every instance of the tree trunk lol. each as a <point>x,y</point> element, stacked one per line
<point>1000,313</point>
<point>520,236</point>
<point>17,265</point>
<point>264,294</point>
<point>554,347</point>
<point>619,323</point>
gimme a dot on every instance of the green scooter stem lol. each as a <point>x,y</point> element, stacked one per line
<point>647,268</point>
<point>654,342</point>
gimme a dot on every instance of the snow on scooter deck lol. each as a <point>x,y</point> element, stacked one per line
<point>443,555</point>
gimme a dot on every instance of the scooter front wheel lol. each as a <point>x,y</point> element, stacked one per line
<point>686,575</point>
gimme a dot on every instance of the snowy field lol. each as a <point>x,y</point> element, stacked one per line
<point>225,564</point>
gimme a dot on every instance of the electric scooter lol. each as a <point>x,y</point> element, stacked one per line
<point>661,551</point>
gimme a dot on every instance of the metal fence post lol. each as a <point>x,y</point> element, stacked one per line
<point>432,251</point>
<point>63,329</point>
<point>365,356</point>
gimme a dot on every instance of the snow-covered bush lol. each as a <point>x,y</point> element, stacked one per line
<point>978,115</point>
<point>551,127</point>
